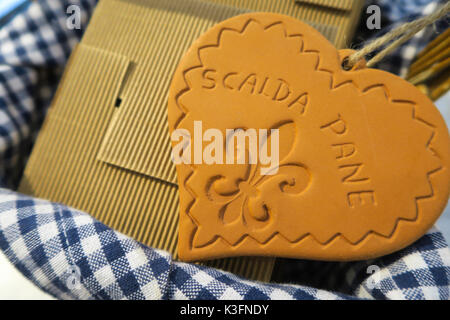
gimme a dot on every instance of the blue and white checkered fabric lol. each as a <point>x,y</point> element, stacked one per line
<point>70,255</point>
<point>397,12</point>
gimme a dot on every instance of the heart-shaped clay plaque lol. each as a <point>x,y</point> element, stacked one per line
<point>347,165</point>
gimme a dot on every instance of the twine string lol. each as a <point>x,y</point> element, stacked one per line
<point>396,37</point>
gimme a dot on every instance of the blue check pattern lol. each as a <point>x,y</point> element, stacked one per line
<point>395,13</point>
<point>70,255</point>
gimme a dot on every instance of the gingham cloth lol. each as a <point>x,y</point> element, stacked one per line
<point>70,255</point>
<point>395,13</point>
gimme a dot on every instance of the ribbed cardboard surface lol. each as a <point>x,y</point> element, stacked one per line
<point>335,19</point>
<point>104,147</point>
<point>129,51</point>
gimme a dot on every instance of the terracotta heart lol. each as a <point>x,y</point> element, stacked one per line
<point>363,155</point>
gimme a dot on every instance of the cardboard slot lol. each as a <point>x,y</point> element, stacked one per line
<point>113,62</point>
<point>105,148</point>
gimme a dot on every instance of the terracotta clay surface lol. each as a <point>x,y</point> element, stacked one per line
<point>363,156</point>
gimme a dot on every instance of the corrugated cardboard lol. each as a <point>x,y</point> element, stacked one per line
<point>104,147</point>
<point>335,19</point>
<point>431,68</point>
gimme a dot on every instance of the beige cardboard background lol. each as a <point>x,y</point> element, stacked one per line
<point>113,162</point>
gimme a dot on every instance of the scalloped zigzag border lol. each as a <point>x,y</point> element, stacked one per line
<point>333,86</point>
